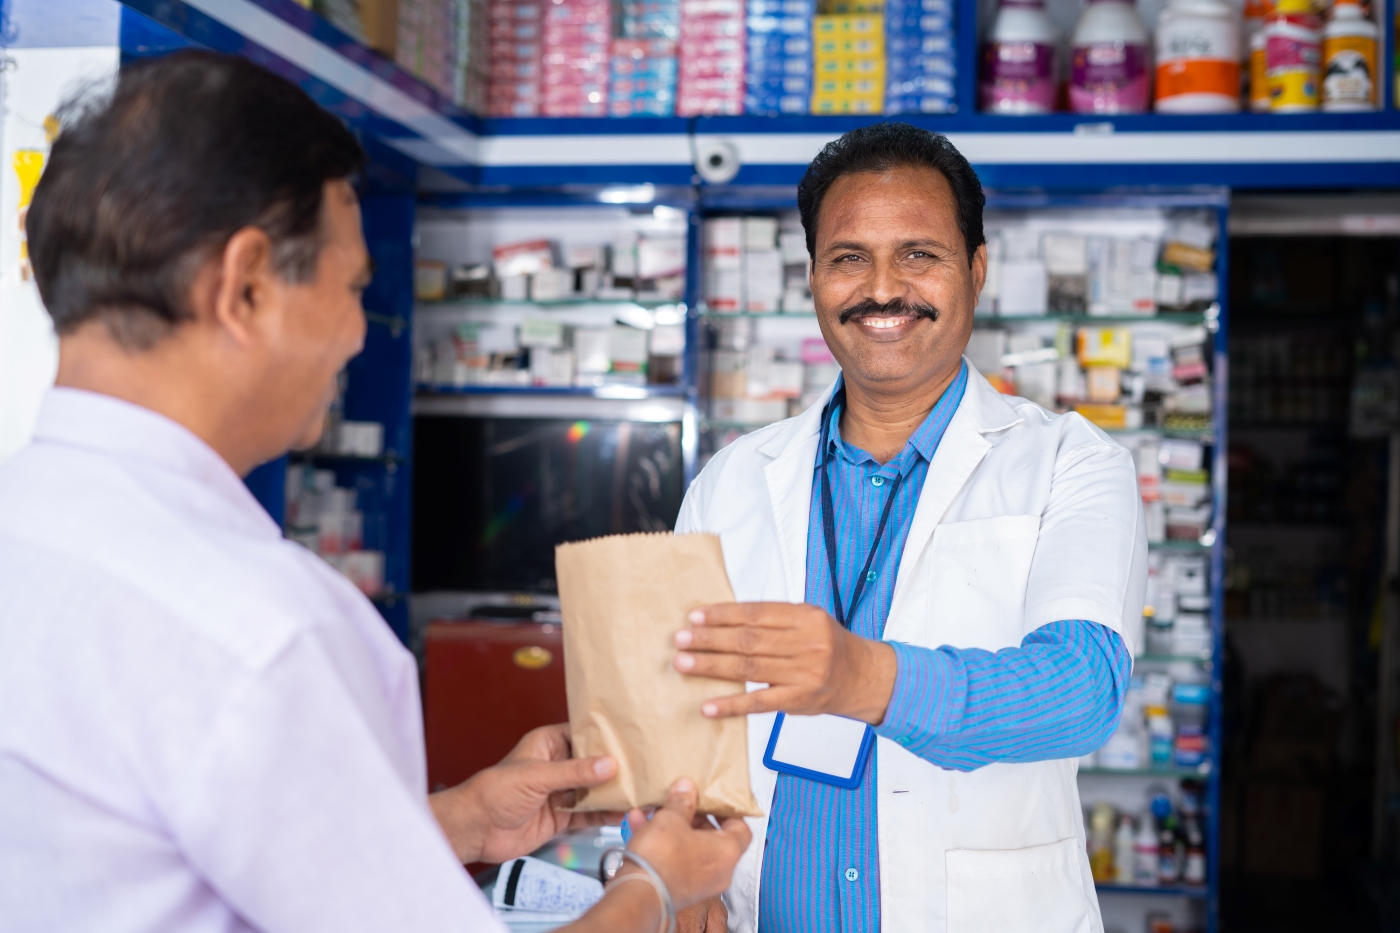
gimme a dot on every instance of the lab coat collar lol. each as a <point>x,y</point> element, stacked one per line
<point>128,432</point>
<point>982,412</point>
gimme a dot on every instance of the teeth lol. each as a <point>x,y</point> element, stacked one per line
<point>883,322</point>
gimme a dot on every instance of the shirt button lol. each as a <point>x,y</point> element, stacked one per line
<point>870,577</point>
<point>877,480</point>
<point>852,874</point>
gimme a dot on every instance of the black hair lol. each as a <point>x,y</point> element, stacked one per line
<point>147,181</point>
<point>883,146</point>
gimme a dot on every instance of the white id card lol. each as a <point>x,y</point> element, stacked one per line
<point>830,749</point>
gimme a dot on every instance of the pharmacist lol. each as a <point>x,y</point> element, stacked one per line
<point>205,728</point>
<point>940,586</point>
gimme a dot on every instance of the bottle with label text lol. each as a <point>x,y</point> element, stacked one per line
<point>1349,59</point>
<point>1259,100</point>
<point>1252,29</point>
<point>1018,60</point>
<point>1198,58</point>
<point>1145,860</point>
<point>1293,57</point>
<point>1124,851</point>
<point>1108,60</point>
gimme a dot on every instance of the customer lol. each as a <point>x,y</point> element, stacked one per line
<point>205,727</point>
<point>948,575</point>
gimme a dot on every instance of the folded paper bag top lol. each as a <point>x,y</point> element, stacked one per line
<point>624,597</point>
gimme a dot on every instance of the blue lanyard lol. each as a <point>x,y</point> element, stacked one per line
<point>844,616</point>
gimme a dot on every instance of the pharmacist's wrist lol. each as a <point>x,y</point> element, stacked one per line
<point>870,680</point>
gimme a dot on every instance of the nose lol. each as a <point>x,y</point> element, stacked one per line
<point>886,281</point>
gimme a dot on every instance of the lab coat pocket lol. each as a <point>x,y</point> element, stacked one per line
<point>977,585</point>
<point>1034,890</point>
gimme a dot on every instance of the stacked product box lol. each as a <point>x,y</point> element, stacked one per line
<point>426,45</point>
<point>848,61</point>
<point>471,56</point>
<point>651,19</point>
<point>574,73</point>
<point>513,88</point>
<point>919,59</point>
<point>778,70</point>
<point>643,78</point>
<point>644,59</point>
<point>711,77</point>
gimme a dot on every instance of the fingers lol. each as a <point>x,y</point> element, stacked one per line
<point>551,776</point>
<point>767,700</point>
<point>762,615</point>
<point>682,799</point>
<point>742,639</point>
<point>744,668</point>
<point>547,743</point>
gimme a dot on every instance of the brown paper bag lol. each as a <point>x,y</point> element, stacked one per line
<point>623,598</point>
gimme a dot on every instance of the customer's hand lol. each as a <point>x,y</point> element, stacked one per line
<point>517,806</point>
<point>708,916</point>
<point>811,664</point>
<point>695,861</point>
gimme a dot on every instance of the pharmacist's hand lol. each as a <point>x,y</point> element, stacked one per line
<point>708,916</point>
<point>515,807</point>
<point>811,664</point>
<point>694,859</point>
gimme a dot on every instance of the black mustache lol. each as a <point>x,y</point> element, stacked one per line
<point>891,307</point>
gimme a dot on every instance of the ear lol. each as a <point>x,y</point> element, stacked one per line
<point>979,272</point>
<point>245,284</point>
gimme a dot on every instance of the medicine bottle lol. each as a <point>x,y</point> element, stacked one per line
<point>1198,58</point>
<point>1108,60</point>
<point>1349,59</point>
<point>1018,60</point>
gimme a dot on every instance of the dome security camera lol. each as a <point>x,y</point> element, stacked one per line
<point>717,162</point>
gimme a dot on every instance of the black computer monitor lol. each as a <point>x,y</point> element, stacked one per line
<point>493,496</point>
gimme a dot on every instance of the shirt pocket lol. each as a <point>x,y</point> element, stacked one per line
<point>1034,890</point>
<point>978,575</point>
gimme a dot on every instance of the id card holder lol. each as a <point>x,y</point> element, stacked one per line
<point>830,749</point>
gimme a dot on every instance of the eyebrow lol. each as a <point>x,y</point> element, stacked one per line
<point>907,244</point>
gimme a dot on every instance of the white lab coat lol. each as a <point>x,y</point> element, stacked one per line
<point>1025,518</point>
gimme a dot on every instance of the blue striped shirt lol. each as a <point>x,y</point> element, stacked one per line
<point>958,708</point>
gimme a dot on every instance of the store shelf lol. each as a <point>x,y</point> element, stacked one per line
<point>624,392</point>
<point>493,304</point>
<point>1166,890</point>
<point>1171,659</point>
<point>411,123</point>
<point>1179,547</point>
<point>1167,773</point>
<point>739,315</point>
<point>1093,320</point>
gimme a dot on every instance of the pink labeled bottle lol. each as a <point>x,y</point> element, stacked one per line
<point>1109,60</point>
<point>1018,60</point>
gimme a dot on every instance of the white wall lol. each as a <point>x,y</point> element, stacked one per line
<point>32,83</point>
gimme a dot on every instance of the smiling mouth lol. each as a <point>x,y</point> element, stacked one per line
<point>884,323</point>
<point>891,314</point>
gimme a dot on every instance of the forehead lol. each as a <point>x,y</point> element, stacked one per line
<point>903,202</point>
